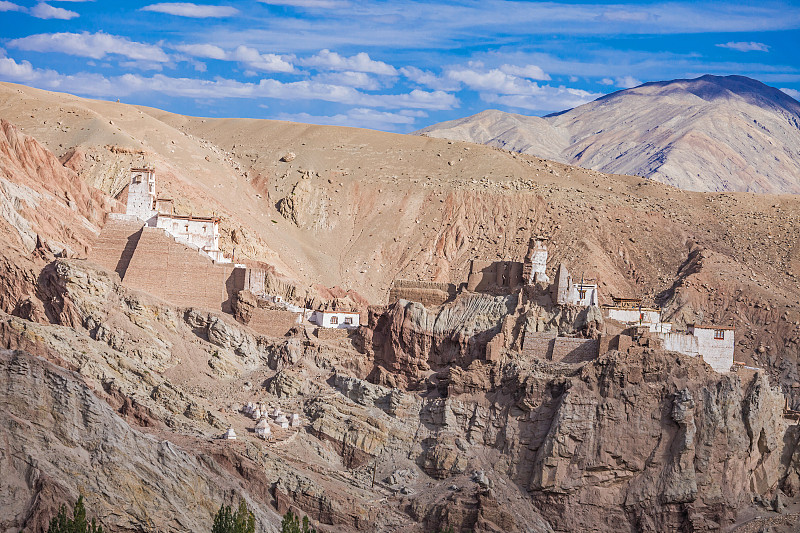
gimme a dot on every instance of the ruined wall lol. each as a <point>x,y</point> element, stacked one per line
<point>572,350</point>
<point>116,243</point>
<point>544,345</point>
<point>538,344</point>
<point>181,275</point>
<point>494,277</point>
<point>428,293</point>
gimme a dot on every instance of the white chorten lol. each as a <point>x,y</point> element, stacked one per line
<point>230,434</point>
<point>257,414</point>
<point>295,420</point>
<point>282,421</point>
<point>262,429</point>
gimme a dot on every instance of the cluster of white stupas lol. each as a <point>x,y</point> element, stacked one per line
<point>261,414</point>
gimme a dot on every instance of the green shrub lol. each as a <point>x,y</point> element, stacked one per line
<point>77,524</point>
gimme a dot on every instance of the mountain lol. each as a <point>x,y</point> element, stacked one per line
<point>712,133</point>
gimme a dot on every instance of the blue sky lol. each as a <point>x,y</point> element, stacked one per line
<point>394,66</point>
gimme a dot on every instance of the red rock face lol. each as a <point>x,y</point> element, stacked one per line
<point>56,204</point>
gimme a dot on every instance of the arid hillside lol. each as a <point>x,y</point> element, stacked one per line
<point>359,209</point>
<point>406,424</point>
<point>713,133</point>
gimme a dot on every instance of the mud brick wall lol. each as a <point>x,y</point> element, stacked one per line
<point>570,350</point>
<point>538,344</point>
<point>181,275</point>
<point>428,293</point>
<point>497,276</point>
<point>115,245</point>
<point>272,322</point>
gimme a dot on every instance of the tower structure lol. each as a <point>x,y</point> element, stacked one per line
<point>142,193</point>
<point>536,262</point>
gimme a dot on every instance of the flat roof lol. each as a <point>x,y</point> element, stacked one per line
<point>630,308</point>
<point>709,326</point>
<point>339,312</point>
<point>190,217</point>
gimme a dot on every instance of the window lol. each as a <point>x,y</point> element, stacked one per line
<point>719,334</point>
<point>581,294</point>
<point>348,320</point>
<point>334,320</point>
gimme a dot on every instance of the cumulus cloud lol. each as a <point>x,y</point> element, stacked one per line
<point>532,72</point>
<point>250,57</point>
<point>188,9</point>
<point>547,99</point>
<point>97,85</point>
<point>10,6</point>
<point>357,117</point>
<point>361,62</point>
<point>494,80</point>
<point>623,82</point>
<point>361,80</point>
<point>792,92</point>
<point>46,11</point>
<point>94,45</point>
<point>325,4</point>
<point>745,46</point>
<point>626,82</point>
<point>428,79</point>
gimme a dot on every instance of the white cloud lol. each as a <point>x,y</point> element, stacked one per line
<point>745,46</point>
<point>203,50</point>
<point>532,72</point>
<point>94,45</point>
<point>626,82</point>
<point>494,80</point>
<point>250,57</point>
<point>360,62</point>
<point>188,9</point>
<point>623,82</point>
<point>325,4</point>
<point>98,85</point>
<point>573,79</point>
<point>361,80</point>
<point>792,92</point>
<point>46,11</point>
<point>10,6</point>
<point>358,117</point>
<point>428,79</point>
<point>548,99</point>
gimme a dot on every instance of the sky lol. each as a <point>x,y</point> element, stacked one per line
<point>388,65</point>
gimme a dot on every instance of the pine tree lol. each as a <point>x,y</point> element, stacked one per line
<point>77,524</point>
<point>242,521</point>
<point>291,524</point>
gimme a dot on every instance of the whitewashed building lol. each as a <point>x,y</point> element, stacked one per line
<point>567,292</point>
<point>715,344</point>
<point>198,232</point>
<point>630,311</point>
<point>335,319</point>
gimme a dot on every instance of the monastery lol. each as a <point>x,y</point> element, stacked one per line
<point>177,258</point>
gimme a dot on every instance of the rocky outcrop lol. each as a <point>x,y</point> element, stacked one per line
<point>61,441</point>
